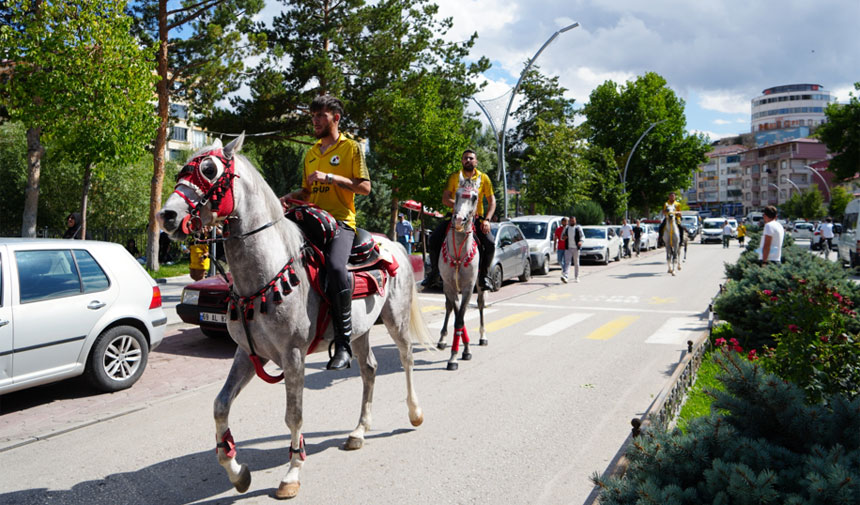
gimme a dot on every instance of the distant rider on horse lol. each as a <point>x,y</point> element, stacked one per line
<point>334,172</point>
<point>671,206</point>
<point>486,244</point>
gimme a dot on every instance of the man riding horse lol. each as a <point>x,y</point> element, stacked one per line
<point>334,172</point>
<point>486,245</point>
<point>674,208</point>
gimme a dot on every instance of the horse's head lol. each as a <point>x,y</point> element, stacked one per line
<point>203,194</point>
<point>465,204</point>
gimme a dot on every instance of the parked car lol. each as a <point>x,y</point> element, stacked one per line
<point>712,230</point>
<point>649,238</point>
<point>204,303</point>
<point>75,307</point>
<point>600,244</point>
<point>512,255</point>
<point>539,232</point>
<point>817,241</point>
<point>802,230</point>
<point>691,225</point>
<point>849,240</point>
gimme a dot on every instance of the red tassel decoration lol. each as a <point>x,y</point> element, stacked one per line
<point>264,307</point>
<point>249,312</point>
<point>234,314</point>
<point>276,295</point>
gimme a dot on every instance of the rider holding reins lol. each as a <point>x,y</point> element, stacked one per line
<point>672,207</point>
<point>334,172</point>
<point>486,244</point>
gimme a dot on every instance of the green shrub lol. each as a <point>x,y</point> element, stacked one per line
<point>588,213</point>
<point>762,444</point>
<point>815,345</point>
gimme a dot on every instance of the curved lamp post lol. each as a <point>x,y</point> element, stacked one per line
<point>769,171</point>
<point>826,186</point>
<point>627,163</point>
<point>501,134</point>
<point>777,192</point>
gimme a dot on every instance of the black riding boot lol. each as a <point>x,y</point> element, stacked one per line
<point>341,320</point>
<point>660,233</point>
<point>431,277</point>
<point>483,278</point>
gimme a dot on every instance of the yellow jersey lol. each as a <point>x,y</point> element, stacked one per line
<point>480,180</point>
<point>196,253</point>
<point>344,158</point>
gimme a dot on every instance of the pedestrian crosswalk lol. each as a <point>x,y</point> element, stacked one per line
<point>582,323</point>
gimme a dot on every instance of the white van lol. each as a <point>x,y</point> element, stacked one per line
<point>755,219</point>
<point>849,240</point>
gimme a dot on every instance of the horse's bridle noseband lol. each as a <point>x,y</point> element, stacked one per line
<point>219,193</point>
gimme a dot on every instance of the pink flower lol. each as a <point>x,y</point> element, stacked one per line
<point>837,296</point>
<point>773,298</point>
<point>794,328</point>
<point>752,356</point>
<point>802,281</point>
<point>767,292</point>
<point>733,341</point>
<point>825,338</point>
<point>720,342</point>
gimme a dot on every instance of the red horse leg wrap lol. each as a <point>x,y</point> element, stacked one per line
<point>458,334</point>
<point>227,444</point>
<point>465,335</point>
<point>300,451</point>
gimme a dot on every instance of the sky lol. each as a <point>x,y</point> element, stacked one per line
<point>716,55</point>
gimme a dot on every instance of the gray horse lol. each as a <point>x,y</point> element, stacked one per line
<point>220,186</point>
<point>458,266</point>
<point>672,242</point>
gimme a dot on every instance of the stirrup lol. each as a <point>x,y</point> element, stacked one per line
<point>332,354</point>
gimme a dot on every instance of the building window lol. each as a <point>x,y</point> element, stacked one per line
<point>179,133</point>
<point>198,138</point>
<point>178,111</point>
<point>174,155</point>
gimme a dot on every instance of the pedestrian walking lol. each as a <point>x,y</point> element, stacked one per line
<point>573,235</point>
<point>727,233</point>
<point>404,230</point>
<point>626,235</point>
<point>742,233</point>
<point>560,245</point>
<point>770,250</point>
<point>637,237</point>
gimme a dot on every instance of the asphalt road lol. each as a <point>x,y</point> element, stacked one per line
<point>528,420</point>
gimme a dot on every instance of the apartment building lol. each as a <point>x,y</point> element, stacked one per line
<point>183,135</point>
<point>718,185</point>
<point>788,111</point>
<point>772,174</point>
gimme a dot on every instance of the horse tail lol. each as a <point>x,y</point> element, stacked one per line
<point>417,325</point>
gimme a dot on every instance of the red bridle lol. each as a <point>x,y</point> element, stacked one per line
<point>219,193</point>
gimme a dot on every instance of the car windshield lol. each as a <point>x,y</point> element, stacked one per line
<point>532,229</point>
<point>713,225</point>
<point>689,219</point>
<point>803,226</point>
<point>494,228</point>
<point>594,233</point>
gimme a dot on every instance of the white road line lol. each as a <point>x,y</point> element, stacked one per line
<point>470,315</point>
<point>677,330</point>
<point>558,325</point>
<point>645,309</point>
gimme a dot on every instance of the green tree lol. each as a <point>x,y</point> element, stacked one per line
<point>839,199</point>
<point>200,68</point>
<point>841,133</point>
<point>807,204</point>
<point>13,173</point>
<point>87,82</point>
<point>665,159</point>
<point>604,185</point>
<point>542,99</point>
<point>556,171</point>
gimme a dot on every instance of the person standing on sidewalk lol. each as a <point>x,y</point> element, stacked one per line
<point>772,237</point>
<point>727,233</point>
<point>404,233</point>
<point>742,233</point>
<point>637,237</point>
<point>573,236</point>
<point>560,245</point>
<point>626,235</point>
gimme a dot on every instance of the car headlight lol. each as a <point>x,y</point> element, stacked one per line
<point>190,296</point>
<point>533,248</point>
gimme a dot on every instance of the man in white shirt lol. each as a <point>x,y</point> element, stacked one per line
<point>827,235</point>
<point>771,242</point>
<point>626,235</point>
<point>727,233</point>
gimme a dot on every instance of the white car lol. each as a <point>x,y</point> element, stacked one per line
<point>600,244</point>
<point>649,237</point>
<point>539,232</point>
<point>75,307</point>
<point>803,230</point>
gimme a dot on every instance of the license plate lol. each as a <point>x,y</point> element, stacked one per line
<point>211,317</point>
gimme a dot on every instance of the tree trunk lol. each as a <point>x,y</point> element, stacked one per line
<point>163,93</point>
<point>34,174</point>
<point>395,203</point>
<point>85,193</point>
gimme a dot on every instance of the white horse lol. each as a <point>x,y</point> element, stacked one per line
<point>265,253</point>
<point>672,241</point>
<point>458,266</point>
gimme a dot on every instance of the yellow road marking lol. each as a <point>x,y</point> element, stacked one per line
<point>554,297</point>
<point>612,328</point>
<point>430,308</point>
<point>656,300</point>
<point>510,320</point>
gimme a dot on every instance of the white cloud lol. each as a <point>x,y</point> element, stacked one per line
<point>724,101</point>
<point>721,122</point>
<point>712,135</point>
<point>843,93</point>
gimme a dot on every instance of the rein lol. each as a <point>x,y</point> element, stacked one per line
<point>458,260</point>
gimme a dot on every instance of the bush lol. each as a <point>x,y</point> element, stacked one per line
<point>741,303</point>
<point>588,213</point>
<point>815,347</point>
<point>763,444</point>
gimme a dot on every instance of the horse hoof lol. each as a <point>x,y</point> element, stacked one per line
<point>441,346</point>
<point>417,419</point>
<point>453,366</point>
<point>287,490</point>
<point>354,444</point>
<point>466,356</point>
<point>483,341</point>
<point>244,481</point>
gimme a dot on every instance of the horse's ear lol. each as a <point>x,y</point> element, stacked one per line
<point>234,146</point>
<point>217,144</point>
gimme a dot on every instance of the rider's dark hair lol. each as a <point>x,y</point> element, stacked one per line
<point>327,103</point>
<point>770,211</point>
<point>468,151</point>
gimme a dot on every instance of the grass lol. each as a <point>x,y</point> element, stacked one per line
<point>179,268</point>
<point>698,404</point>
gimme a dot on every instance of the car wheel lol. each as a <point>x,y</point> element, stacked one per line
<point>544,270</point>
<point>215,334</point>
<point>527,271</point>
<point>496,278</point>
<point>117,359</point>
<point>606,256</point>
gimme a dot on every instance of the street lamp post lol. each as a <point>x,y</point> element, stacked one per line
<point>627,163</point>
<point>826,186</point>
<point>501,133</point>
<point>777,192</point>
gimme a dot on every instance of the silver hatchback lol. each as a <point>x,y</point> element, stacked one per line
<point>75,307</point>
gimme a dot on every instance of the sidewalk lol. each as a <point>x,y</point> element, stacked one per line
<point>171,295</point>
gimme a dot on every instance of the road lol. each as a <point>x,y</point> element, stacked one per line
<point>528,420</point>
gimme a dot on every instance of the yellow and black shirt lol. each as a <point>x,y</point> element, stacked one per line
<point>345,158</point>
